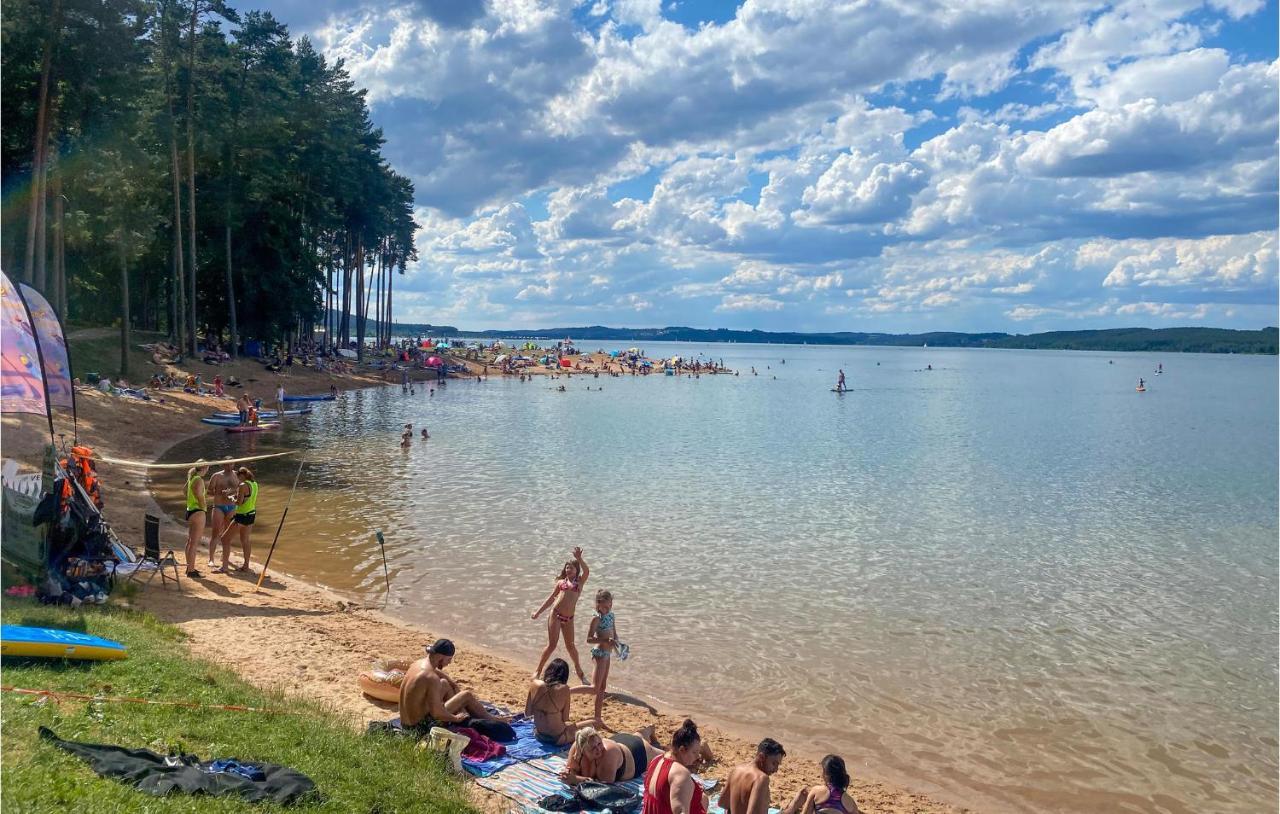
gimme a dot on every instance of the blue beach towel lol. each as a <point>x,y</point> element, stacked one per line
<point>527,746</point>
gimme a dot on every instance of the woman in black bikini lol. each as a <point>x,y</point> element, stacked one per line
<point>609,760</point>
<point>565,598</point>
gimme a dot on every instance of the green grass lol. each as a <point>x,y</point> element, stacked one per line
<point>102,355</point>
<point>353,772</point>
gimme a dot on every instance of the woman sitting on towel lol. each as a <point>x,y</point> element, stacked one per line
<point>548,705</point>
<point>832,797</point>
<point>609,760</point>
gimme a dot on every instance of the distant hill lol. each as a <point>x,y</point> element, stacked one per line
<point>1165,340</point>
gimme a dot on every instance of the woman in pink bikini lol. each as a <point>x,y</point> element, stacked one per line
<point>565,599</point>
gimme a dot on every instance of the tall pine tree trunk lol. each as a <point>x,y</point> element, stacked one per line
<point>191,170</point>
<point>344,318</point>
<point>231,296</point>
<point>42,218</point>
<point>41,140</point>
<point>58,281</point>
<point>124,305</point>
<point>178,303</point>
<point>391,275</point>
<point>359,275</point>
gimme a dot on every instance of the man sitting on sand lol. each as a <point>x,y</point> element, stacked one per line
<point>746,790</point>
<point>428,697</point>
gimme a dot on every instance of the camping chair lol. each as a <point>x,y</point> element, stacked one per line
<point>151,556</point>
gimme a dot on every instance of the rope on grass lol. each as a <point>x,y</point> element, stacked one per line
<point>59,695</point>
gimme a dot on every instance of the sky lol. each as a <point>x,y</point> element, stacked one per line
<point>812,165</point>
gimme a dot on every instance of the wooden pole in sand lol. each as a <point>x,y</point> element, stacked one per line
<point>263,575</point>
<point>383,545</point>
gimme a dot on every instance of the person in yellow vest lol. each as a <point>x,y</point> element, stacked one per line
<point>246,512</point>
<point>197,506</point>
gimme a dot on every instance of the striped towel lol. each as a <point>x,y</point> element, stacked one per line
<point>525,784</point>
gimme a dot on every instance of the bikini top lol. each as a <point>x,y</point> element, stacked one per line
<point>834,801</point>
<point>606,621</point>
<point>568,585</point>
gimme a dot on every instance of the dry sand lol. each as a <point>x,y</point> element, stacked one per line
<point>303,639</point>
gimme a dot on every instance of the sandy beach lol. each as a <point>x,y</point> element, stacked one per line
<point>307,640</point>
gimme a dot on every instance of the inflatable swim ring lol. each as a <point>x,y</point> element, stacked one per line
<point>382,680</point>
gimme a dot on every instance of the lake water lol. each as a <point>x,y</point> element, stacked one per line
<point>1011,580</point>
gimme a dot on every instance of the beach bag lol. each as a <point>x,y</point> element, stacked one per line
<point>594,796</point>
<point>613,796</point>
<point>493,730</point>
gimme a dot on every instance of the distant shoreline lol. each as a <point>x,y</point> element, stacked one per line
<point>1114,340</point>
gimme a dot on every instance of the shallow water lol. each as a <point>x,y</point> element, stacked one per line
<point>1011,580</point>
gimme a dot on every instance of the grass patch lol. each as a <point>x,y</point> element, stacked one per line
<point>353,772</point>
<point>101,355</point>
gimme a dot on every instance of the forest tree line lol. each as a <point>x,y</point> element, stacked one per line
<point>184,167</point>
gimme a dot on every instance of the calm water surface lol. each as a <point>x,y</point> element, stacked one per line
<point>1010,580</point>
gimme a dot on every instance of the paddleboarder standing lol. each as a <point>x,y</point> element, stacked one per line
<point>840,388</point>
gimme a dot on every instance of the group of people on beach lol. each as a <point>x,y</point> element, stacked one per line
<point>230,501</point>
<point>429,698</point>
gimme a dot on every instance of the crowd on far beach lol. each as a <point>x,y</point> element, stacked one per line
<point>429,698</point>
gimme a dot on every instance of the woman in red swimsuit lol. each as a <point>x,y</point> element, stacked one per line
<point>565,598</point>
<point>669,785</point>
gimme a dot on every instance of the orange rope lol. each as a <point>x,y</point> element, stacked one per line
<point>58,695</point>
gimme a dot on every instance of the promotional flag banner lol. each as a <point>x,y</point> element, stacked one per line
<point>53,348</point>
<point>21,385</point>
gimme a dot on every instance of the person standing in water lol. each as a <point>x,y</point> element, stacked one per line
<point>197,506</point>
<point>603,633</point>
<point>246,512</point>
<point>564,596</point>
<point>280,401</point>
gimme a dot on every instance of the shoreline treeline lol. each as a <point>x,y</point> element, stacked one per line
<point>1163,340</point>
<point>184,167</point>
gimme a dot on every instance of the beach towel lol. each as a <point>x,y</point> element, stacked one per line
<point>154,774</point>
<point>527,746</point>
<point>487,768</point>
<point>479,748</point>
<point>526,785</point>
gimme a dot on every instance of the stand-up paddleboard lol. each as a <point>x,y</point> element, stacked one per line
<point>838,390</point>
<point>221,422</point>
<point>50,643</point>
<point>264,413</point>
<point>310,398</point>
<point>1141,389</point>
<point>252,428</point>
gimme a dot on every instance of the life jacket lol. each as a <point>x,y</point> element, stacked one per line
<point>79,465</point>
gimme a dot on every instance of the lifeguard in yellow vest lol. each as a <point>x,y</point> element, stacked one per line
<point>246,512</point>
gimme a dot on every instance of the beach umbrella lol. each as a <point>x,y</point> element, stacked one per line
<point>566,363</point>
<point>434,361</point>
<point>502,358</point>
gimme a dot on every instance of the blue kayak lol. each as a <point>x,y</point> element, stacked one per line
<point>51,643</point>
<point>265,413</point>
<point>310,398</point>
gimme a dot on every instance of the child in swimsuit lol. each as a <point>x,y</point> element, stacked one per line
<point>565,599</point>
<point>604,635</point>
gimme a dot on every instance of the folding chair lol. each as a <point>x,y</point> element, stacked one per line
<point>151,555</point>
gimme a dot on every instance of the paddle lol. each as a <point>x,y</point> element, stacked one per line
<point>263,575</point>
